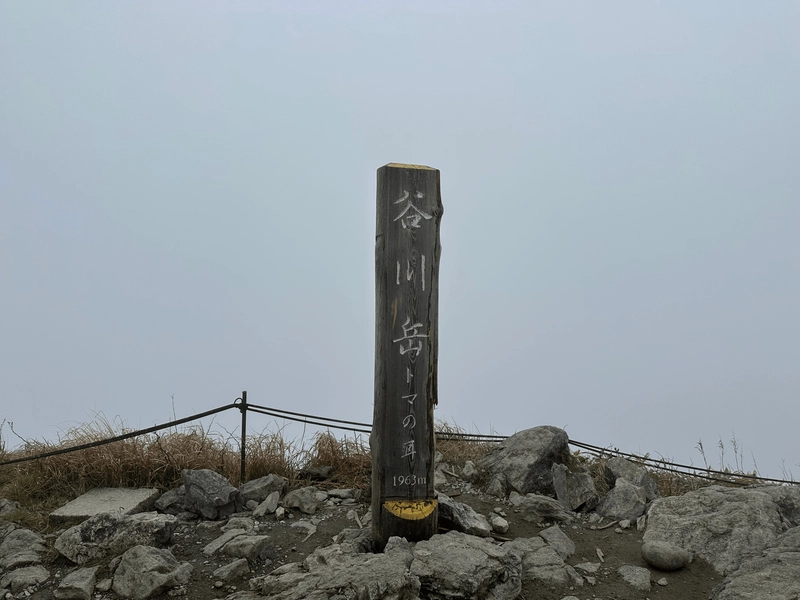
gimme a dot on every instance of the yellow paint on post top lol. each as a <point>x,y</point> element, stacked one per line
<point>405,166</point>
<point>410,510</point>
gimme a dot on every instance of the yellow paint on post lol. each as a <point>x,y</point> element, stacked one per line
<point>410,510</point>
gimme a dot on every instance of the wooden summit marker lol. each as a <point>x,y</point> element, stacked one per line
<point>407,249</point>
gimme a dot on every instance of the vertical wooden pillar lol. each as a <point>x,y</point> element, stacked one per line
<point>407,249</point>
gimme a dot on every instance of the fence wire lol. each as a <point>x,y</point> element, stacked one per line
<point>366,428</point>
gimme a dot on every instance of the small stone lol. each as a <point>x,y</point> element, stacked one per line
<point>662,582</point>
<point>625,524</point>
<point>237,568</point>
<point>280,513</point>
<point>499,524</point>
<point>636,577</point>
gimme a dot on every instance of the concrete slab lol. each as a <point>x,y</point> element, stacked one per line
<point>125,501</point>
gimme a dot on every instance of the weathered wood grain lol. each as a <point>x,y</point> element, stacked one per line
<point>407,251</point>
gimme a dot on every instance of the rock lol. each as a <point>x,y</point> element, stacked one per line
<point>576,491</point>
<point>535,508</point>
<point>97,501</point>
<point>663,582</point>
<point>469,472</point>
<point>773,574</point>
<point>21,579</point>
<point>558,540</point>
<point>20,548</point>
<point>268,506</point>
<point>665,556</point>
<point>316,473</point>
<point>461,517</point>
<point>234,570</point>
<point>618,467</point>
<point>541,563</point>
<point>171,502</point>
<point>215,545</point>
<point>251,547</point>
<point>78,585</point>
<point>304,499</point>
<point>368,576</point>
<point>523,462</point>
<point>245,523</point>
<point>259,489</point>
<point>210,495</point>
<point>342,494</point>
<point>8,506</point>
<point>457,565</point>
<point>110,534</point>
<point>636,577</point>
<point>625,501</point>
<point>721,525</point>
<point>588,567</point>
<point>280,513</point>
<point>498,524</point>
<point>787,498</point>
<point>144,572</point>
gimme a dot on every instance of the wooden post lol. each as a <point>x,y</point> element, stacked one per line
<point>407,249</point>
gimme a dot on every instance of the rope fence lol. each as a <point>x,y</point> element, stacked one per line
<point>244,407</point>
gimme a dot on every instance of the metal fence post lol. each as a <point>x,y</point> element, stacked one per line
<point>243,449</point>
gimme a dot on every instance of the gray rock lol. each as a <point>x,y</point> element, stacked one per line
<point>217,544</point>
<point>461,517</point>
<point>268,506</point>
<point>787,498</point>
<point>636,577</point>
<point>171,502</point>
<point>576,491</point>
<point>541,563</point>
<point>469,472</point>
<point>8,506</point>
<point>367,576</point>
<point>721,525</point>
<point>21,579</point>
<point>558,540</point>
<point>20,548</point>
<point>536,508</point>
<point>259,489</point>
<point>251,547</point>
<point>342,494</point>
<point>665,556</point>
<point>457,565</point>
<point>773,574</point>
<point>78,585</point>
<point>498,524</point>
<point>110,534</point>
<point>236,569</point>
<point>245,523</point>
<point>305,499</point>
<point>144,572</point>
<point>210,495</point>
<point>625,501</point>
<point>618,467</point>
<point>97,501</point>
<point>523,462</point>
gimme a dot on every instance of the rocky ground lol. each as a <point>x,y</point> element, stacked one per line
<point>211,540</point>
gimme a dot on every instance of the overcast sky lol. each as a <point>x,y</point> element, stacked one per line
<point>187,209</point>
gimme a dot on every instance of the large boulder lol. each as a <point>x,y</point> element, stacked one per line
<point>144,572</point>
<point>625,501</point>
<point>523,462</point>
<point>773,574</point>
<point>210,495</point>
<point>542,563</point>
<point>110,534</point>
<point>306,499</point>
<point>618,467</point>
<point>457,565</point>
<point>722,525</point>
<point>576,491</point>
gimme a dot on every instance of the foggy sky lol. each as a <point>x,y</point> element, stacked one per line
<point>187,210</point>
